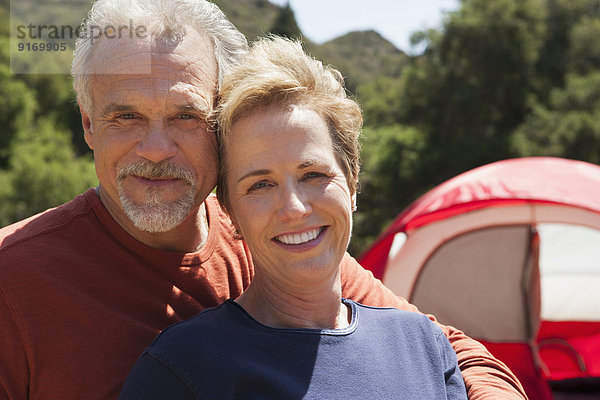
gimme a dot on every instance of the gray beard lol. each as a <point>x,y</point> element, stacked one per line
<point>154,215</point>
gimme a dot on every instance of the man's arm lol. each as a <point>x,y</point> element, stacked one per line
<point>485,376</point>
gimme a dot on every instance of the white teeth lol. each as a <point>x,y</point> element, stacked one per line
<point>299,238</point>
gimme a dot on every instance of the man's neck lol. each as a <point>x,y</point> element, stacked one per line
<point>188,237</point>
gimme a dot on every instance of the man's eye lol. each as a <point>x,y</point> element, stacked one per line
<point>126,116</point>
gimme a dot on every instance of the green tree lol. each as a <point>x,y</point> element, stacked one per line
<point>44,172</point>
<point>285,23</point>
<point>17,109</point>
<point>584,50</point>
<point>556,54</point>
<point>569,127</point>
<point>381,101</point>
<point>472,86</point>
<point>389,179</point>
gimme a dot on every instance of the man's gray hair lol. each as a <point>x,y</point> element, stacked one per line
<point>161,17</point>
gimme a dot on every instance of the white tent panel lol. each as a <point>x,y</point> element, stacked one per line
<point>570,272</point>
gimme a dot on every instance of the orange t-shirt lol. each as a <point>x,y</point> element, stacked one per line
<point>80,299</point>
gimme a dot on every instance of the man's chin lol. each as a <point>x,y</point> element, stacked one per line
<point>157,214</point>
<point>155,220</point>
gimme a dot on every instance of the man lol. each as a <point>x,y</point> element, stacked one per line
<point>86,286</point>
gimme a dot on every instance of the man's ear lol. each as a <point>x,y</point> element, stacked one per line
<point>86,123</point>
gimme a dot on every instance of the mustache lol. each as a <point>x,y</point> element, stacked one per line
<point>162,169</point>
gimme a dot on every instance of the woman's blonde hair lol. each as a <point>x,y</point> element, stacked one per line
<point>277,72</point>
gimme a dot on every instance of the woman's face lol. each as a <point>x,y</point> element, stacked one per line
<point>288,195</point>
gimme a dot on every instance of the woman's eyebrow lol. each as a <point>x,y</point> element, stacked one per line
<point>258,172</point>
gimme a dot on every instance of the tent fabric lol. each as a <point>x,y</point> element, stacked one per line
<point>513,181</point>
<point>508,252</point>
<point>496,256</point>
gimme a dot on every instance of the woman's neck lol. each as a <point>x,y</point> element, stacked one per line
<point>315,306</point>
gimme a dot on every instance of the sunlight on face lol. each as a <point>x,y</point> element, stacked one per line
<point>287,193</point>
<point>155,157</point>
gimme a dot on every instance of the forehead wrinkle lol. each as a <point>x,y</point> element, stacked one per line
<point>190,61</point>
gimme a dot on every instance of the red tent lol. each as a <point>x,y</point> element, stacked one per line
<point>510,253</point>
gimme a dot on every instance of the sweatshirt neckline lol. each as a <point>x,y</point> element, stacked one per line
<point>310,331</point>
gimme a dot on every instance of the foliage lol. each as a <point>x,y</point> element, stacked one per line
<point>44,171</point>
<point>391,160</point>
<point>362,57</point>
<point>569,127</point>
<point>17,108</point>
<point>39,163</point>
<point>476,82</point>
<point>502,78</point>
<point>285,24</point>
<point>555,61</point>
<point>253,18</point>
<point>584,50</point>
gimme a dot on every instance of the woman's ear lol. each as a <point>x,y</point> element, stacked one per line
<point>353,203</point>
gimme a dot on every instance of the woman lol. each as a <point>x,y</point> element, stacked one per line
<point>288,138</point>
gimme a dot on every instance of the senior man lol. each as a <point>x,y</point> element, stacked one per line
<point>85,287</point>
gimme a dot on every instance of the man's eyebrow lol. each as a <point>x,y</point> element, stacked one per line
<point>116,108</point>
<point>258,172</point>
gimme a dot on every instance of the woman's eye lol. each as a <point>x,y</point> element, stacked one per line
<point>258,185</point>
<point>186,116</point>
<point>312,175</point>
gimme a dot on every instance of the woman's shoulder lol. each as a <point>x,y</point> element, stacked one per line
<point>194,331</point>
<point>399,320</point>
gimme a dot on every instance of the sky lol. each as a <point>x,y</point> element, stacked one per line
<point>395,20</point>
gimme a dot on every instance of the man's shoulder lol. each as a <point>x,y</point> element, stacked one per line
<point>45,223</point>
<point>219,221</point>
<point>214,208</point>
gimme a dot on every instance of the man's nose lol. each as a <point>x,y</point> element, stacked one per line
<point>157,144</point>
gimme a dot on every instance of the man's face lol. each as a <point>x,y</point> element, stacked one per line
<point>155,158</point>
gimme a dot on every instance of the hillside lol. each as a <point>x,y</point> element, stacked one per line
<point>252,17</point>
<point>361,56</point>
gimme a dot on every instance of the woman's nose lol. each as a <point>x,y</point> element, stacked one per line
<point>294,203</point>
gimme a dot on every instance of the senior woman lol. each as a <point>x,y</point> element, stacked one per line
<point>289,151</point>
